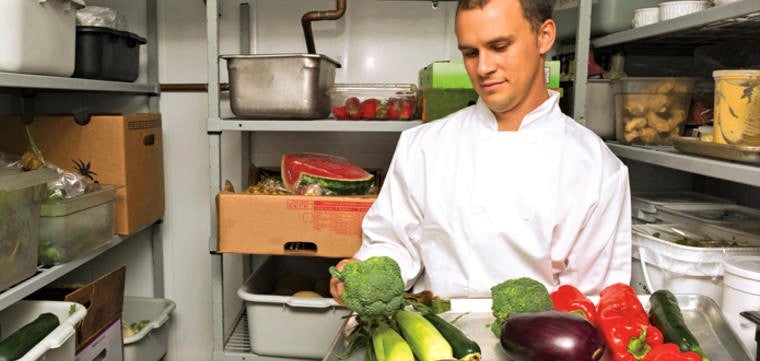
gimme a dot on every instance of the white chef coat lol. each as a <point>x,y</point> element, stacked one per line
<point>465,206</point>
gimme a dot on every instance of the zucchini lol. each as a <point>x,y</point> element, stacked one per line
<point>424,339</point>
<point>389,345</point>
<point>462,346</point>
<point>25,338</point>
<point>665,314</point>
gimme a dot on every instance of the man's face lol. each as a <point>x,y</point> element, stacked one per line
<point>501,53</point>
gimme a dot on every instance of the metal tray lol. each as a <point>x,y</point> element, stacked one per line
<point>702,316</point>
<point>280,86</point>
<point>739,153</point>
<point>729,215</point>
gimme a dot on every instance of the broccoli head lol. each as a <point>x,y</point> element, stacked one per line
<point>515,296</point>
<point>373,287</point>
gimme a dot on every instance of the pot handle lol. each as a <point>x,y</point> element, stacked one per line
<point>754,316</point>
<point>643,259</point>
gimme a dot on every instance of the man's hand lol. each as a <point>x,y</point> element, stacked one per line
<point>336,285</point>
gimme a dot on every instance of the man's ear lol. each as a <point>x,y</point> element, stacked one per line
<point>546,36</point>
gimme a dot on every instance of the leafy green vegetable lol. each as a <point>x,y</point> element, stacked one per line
<point>373,287</point>
<point>515,296</point>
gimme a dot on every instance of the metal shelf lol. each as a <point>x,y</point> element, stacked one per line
<point>737,20</point>
<point>27,81</point>
<point>325,125</point>
<point>669,157</point>
<point>45,275</point>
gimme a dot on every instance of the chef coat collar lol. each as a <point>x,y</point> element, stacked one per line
<point>544,112</point>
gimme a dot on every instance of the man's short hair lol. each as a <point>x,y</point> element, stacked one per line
<point>535,11</point>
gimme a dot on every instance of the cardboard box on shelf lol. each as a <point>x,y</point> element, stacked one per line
<point>121,149</point>
<point>106,346</point>
<point>323,226</point>
<point>452,75</point>
<point>444,74</point>
<point>104,299</point>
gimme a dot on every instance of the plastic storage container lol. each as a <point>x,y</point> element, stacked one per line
<point>644,205</point>
<point>107,54</point>
<point>59,344</point>
<point>674,9</point>
<point>607,16</point>
<point>645,16</point>
<point>685,259</point>
<point>280,86</point>
<point>150,344</point>
<point>737,107</point>
<point>742,293</point>
<point>286,326</point>
<point>38,36</point>
<point>71,227</point>
<point>391,101</point>
<point>728,215</point>
<point>652,110</point>
<point>20,197</point>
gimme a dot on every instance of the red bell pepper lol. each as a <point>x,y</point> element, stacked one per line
<point>570,299</point>
<point>671,352</point>
<point>624,323</point>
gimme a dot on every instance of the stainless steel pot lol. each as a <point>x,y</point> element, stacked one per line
<point>280,86</point>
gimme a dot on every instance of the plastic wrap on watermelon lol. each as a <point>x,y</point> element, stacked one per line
<point>324,175</point>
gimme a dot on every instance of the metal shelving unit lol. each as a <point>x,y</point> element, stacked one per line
<point>54,84</point>
<point>233,344</point>
<point>737,20</point>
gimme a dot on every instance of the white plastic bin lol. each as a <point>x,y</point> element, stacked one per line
<point>659,261</point>
<point>38,36</point>
<point>287,326</point>
<point>742,293</point>
<point>151,342</point>
<point>58,345</point>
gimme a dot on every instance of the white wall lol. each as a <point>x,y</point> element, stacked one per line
<point>376,42</point>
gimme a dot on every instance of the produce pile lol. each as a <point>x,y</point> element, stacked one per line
<point>387,329</point>
<point>656,114</point>
<point>531,323</point>
<point>375,109</point>
<point>316,174</point>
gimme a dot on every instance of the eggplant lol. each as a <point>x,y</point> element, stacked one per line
<point>551,336</point>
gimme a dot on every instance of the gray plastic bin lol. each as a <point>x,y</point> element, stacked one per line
<point>151,342</point>
<point>287,326</point>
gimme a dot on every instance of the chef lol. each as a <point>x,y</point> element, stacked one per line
<point>508,187</point>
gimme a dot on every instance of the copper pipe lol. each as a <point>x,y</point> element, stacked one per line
<point>307,18</point>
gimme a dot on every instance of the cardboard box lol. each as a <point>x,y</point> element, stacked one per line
<point>107,346</point>
<point>122,149</point>
<point>103,298</point>
<point>290,225</point>
<point>444,74</point>
<point>551,72</point>
<point>452,75</point>
<point>438,103</point>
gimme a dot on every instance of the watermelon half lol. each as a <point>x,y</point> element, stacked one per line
<point>333,175</point>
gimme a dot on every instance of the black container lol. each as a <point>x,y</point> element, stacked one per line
<point>107,54</point>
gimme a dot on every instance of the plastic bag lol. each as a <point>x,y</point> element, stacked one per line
<point>101,16</point>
